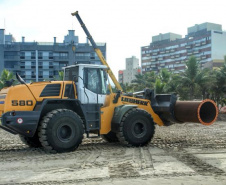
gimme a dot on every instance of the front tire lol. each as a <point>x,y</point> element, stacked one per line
<point>136,128</point>
<point>61,130</point>
<point>31,141</point>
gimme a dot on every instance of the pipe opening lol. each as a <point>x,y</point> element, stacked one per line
<point>207,113</point>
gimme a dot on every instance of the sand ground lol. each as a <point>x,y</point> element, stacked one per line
<point>178,155</point>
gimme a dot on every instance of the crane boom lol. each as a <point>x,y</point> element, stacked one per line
<point>98,51</point>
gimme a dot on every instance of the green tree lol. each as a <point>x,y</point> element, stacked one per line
<point>127,87</point>
<point>6,75</point>
<point>173,83</point>
<point>218,88</point>
<point>61,75</point>
<point>143,81</point>
<point>192,78</point>
<point>159,86</point>
<point>162,80</point>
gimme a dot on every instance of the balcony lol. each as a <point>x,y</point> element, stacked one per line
<point>196,52</point>
<point>189,53</point>
<point>16,67</point>
<point>188,46</point>
<point>203,57</point>
<point>155,53</point>
<point>203,43</point>
<point>198,44</point>
<point>84,58</point>
<point>7,58</point>
<point>60,58</point>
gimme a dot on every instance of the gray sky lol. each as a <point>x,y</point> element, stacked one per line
<point>125,25</point>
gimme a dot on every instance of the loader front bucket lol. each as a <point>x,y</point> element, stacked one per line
<point>204,112</point>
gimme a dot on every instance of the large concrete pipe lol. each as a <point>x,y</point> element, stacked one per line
<point>204,112</point>
<point>172,111</point>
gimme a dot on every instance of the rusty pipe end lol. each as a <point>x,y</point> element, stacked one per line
<point>207,112</point>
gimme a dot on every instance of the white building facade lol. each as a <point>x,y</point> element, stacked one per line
<point>132,69</point>
<point>207,42</point>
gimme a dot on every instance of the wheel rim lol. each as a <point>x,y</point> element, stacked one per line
<point>65,133</point>
<point>139,129</point>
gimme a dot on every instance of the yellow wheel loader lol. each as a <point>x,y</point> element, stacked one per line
<point>56,114</point>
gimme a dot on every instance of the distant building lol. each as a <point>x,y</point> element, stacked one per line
<point>132,69</point>
<point>41,61</point>
<point>207,42</point>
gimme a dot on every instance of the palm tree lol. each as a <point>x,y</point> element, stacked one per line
<point>127,87</point>
<point>164,75</point>
<point>219,86</point>
<point>162,80</point>
<point>61,75</point>
<point>139,82</point>
<point>192,78</point>
<point>5,76</point>
<point>206,79</point>
<point>159,86</point>
<point>173,83</point>
<point>143,81</point>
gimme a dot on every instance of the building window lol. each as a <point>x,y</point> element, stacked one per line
<point>63,55</point>
<point>22,55</point>
<point>33,55</point>
<point>10,64</point>
<point>39,55</point>
<point>10,54</point>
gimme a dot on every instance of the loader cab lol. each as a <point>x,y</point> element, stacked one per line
<point>90,81</point>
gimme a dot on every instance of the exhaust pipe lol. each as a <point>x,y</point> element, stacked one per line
<point>204,112</point>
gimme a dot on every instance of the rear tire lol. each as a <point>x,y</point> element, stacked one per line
<point>136,128</point>
<point>61,130</point>
<point>31,141</point>
<point>110,137</point>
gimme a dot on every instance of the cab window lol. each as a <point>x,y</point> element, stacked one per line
<point>94,80</point>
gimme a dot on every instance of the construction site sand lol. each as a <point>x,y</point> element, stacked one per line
<point>179,154</point>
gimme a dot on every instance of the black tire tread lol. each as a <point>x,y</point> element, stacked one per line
<point>31,141</point>
<point>110,137</point>
<point>43,129</point>
<point>120,134</point>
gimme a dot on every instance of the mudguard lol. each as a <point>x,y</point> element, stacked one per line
<point>119,112</point>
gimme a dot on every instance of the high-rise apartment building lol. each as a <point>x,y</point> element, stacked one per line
<point>36,61</point>
<point>132,69</point>
<point>207,42</point>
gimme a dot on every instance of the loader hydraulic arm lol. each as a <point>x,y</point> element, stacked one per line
<point>98,51</point>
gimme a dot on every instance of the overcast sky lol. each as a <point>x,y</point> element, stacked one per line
<point>125,25</point>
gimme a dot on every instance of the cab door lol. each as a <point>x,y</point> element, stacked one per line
<point>95,86</point>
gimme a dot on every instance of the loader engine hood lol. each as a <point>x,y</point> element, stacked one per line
<point>25,96</point>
